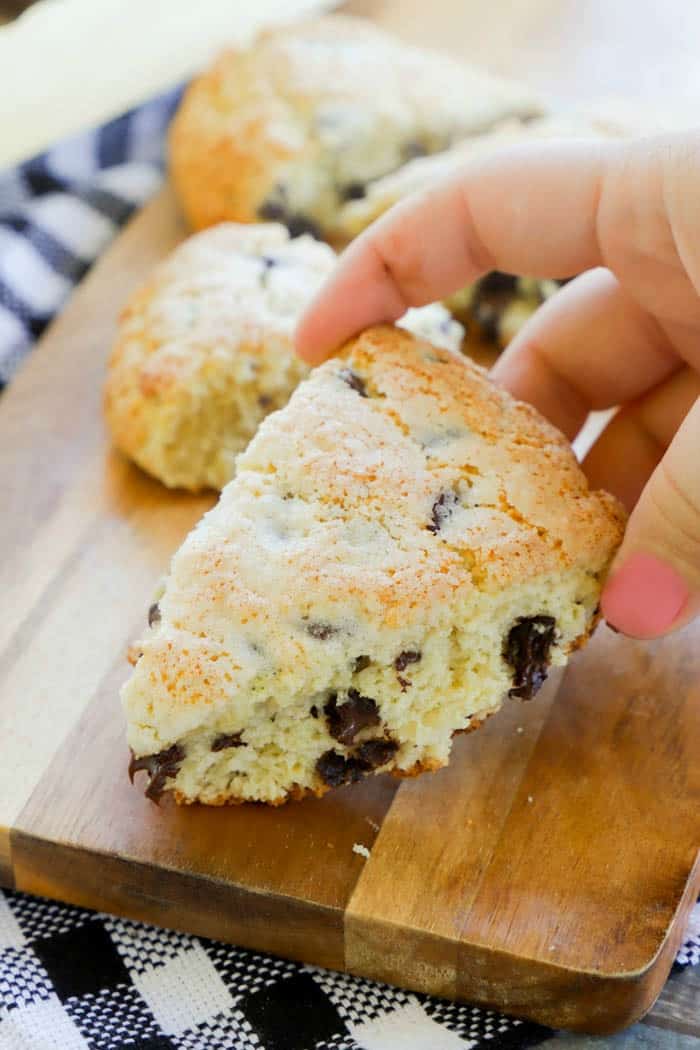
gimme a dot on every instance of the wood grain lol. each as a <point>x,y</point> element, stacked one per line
<point>678,1007</point>
<point>568,839</point>
<point>417,940</point>
<point>547,872</point>
<point>75,516</point>
<point>273,879</point>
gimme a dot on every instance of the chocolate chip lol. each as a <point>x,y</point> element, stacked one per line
<point>313,711</point>
<point>497,283</point>
<point>331,768</point>
<point>154,614</point>
<point>296,223</point>
<point>267,264</point>
<point>443,508</point>
<point>354,381</point>
<point>265,401</point>
<point>488,320</point>
<point>335,770</point>
<point>492,295</point>
<point>348,719</point>
<point>376,753</point>
<point>353,191</point>
<point>409,656</point>
<point>160,767</point>
<point>301,224</point>
<point>273,211</point>
<point>360,663</point>
<point>322,631</point>
<point>527,649</point>
<point>226,740</point>
<point>411,150</point>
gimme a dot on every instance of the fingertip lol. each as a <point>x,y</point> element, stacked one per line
<point>307,344</point>
<point>645,597</point>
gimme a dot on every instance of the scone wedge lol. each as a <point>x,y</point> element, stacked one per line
<point>404,548</point>
<point>295,125</point>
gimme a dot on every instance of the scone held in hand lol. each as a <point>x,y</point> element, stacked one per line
<point>403,548</point>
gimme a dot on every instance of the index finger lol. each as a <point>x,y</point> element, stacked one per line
<point>527,209</point>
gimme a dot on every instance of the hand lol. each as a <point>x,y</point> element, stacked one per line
<point>625,333</point>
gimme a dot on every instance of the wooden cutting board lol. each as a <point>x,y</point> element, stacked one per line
<point>548,871</point>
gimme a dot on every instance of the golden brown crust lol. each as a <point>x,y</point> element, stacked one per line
<point>358,470</point>
<point>204,350</point>
<point>308,110</point>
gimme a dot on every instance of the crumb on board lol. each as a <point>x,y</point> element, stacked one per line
<point>530,799</point>
<point>372,823</point>
<point>357,847</point>
<point>520,729</point>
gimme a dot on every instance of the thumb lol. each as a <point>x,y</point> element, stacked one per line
<point>654,585</point>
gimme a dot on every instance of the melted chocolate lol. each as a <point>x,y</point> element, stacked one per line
<point>527,650</point>
<point>335,770</point>
<point>225,740</point>
<point>407,657</point>
<point>348,719</point>
<point>376,753</point>
<point>160,767</point>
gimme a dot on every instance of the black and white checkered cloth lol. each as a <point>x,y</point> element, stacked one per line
<point>74,980</point>
<point>60,210</point>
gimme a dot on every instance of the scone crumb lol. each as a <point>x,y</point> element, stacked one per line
<point>358,848</point>
<point>372,823</point>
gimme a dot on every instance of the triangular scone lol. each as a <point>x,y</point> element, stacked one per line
<point>404,546</point>
<point>300,121</point>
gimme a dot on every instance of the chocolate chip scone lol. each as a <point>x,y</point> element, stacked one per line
<point>204,350</point>
<point>403,548</point>
<point>298,123</point>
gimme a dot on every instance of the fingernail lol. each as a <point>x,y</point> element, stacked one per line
<point>644,597</point>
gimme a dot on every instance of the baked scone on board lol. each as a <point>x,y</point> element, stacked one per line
<point>404,547</point>
<point>204,350</point>
<point>299,122</point>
